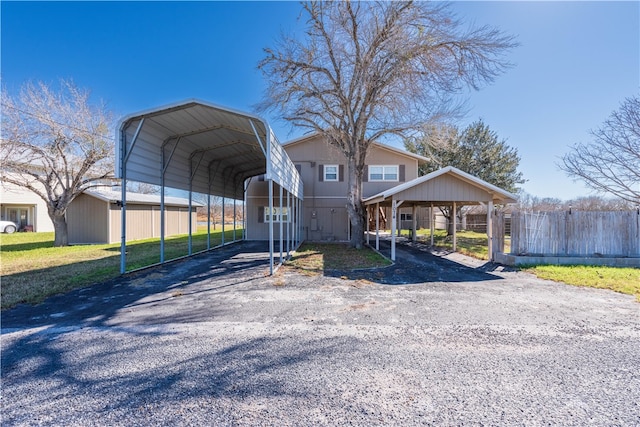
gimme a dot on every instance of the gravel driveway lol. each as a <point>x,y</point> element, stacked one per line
<point>429,341</point>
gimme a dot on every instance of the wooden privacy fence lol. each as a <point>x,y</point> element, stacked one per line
<point>585,234</point>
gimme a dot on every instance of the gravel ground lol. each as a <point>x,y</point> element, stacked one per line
<point>428,341</point>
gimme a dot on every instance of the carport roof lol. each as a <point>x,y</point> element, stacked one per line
<point>445,185</point>
<point>197,146</point>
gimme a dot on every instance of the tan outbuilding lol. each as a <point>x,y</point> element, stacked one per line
<point>95,217</point>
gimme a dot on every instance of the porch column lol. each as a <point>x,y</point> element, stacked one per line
<point>377,226</point>
<point>367,219</point>
<point>432,221</point>
<point>394,215</point>
<point>490,229</point>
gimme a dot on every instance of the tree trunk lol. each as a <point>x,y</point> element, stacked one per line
<point>60,229</point>
<point>355,208</point>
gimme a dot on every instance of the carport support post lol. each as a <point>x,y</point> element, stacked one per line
<point>280,217</point>
<point>432,221</point>
<point>234,220</point>
<point>289,223</point>
<point>394,214</point>
<point>490,229</point>
<point>377,226</point>
<point>124,157</point>
<point>368,224</point>
<point>222,220</point>
<point>455,226</point>
<point>414,226</point>
<point>270,226</point>
<point>209,221</point>
<point>189,221</point>
<point>299,221</point>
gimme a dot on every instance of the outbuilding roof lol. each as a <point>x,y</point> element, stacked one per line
<point>139,198</point>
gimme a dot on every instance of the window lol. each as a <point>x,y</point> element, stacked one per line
<point>383,173</point>
<point>331,173</point>
<point>406,217</point>
<point>276,214</point>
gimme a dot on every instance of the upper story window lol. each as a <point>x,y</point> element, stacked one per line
<point>383,173</point>
<point>331,173</point>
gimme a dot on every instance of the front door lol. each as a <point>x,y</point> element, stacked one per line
<point>19,216</point>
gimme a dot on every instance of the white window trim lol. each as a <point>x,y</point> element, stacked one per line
<point>276,214</point>
<point>397,171</point>
<point>337,178</point>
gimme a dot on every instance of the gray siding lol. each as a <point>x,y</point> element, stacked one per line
<point>445,188</point>
<point>324,213</point>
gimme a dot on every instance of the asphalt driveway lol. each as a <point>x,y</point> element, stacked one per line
<point>440,340</point>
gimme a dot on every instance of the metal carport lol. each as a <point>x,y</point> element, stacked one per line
<point>446,186</point>
<point>197,146</point>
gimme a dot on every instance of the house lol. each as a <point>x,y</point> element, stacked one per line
<point>25,208</point>
<point>95,216</point>
<point>322,168</point>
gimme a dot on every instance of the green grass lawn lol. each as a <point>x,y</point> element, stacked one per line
<point>619,279</point>
<point>315,258</point>
<point>33,269</point>
<point>468,242</point>
<point>623,280</point>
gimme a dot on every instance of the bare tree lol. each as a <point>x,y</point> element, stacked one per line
<point>56,145</point>
<point>611,162</point>
<point>143,187</point>
<point>369,69</point>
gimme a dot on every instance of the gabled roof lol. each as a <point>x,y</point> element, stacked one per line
<point>380,145</point>
<point>139,198</point>
<point>496,194</point>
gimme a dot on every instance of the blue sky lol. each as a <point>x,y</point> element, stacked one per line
<point>576,63</point>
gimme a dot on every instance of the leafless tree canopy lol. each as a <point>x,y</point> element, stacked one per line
<point>368,69</point>
<point>611,162</point>
<point>55,144</point>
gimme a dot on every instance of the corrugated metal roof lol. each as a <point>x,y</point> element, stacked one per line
<point>139,198</point>
<point>201,147</point>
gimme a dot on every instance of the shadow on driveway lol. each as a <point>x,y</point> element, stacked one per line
<point>416,264</point>
<point>203,274</point>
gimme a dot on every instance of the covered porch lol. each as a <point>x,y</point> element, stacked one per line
<point>448,186</point>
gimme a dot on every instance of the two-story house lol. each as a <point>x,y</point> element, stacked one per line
<point>323,171</point>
